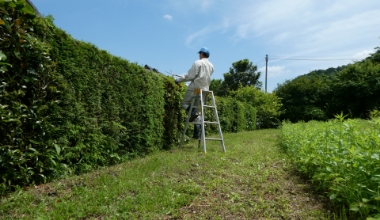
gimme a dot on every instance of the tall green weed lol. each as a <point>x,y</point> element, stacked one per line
<point>342,158</point>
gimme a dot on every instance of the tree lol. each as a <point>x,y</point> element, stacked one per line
<point>305,97</point>
<point>216,86</point>
<point>356,89</point>
<point>242,73</point>
<point>375,57</point>
<point>268,105</point>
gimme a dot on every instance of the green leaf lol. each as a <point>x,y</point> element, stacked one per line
<point>2,63</point>
<point>17,54</point>
<point>3,69</point>
<point>34,142</point>
<point>2,22</point>
<point>354,207</point>
<point>29,11</point>
<point>57,148</point>
<point>332,196</point>
<point>2,56</point>
<point>20,5</point>
<point>11,4</point>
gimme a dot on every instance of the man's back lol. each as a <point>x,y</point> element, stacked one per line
<point>203,69</point>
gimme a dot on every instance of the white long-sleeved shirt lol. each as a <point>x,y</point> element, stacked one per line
<point>199,75</point>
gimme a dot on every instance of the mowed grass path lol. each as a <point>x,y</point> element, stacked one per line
<point>252,180</point>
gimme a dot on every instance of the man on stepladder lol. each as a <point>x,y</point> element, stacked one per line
<point>199,76</point>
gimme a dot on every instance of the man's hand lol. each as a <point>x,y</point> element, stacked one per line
<point>176,81</point>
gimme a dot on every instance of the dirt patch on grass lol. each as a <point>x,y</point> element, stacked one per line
<point>279,195</point>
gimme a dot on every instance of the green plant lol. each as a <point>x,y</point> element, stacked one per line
<point>267,105</point>
<point>375,113</point>
<point>242,73</point>
<point>306,97</point>
<point>355,89</point>
<point>342,159</point>
<point>3,65</point>
<point>29,97</point>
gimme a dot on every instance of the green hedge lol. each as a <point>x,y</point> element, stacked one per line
<point>235,116</point>
<point>67,107</point>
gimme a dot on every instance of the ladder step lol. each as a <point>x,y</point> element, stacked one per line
<point>214,139</point>
<point>206,122</point>
<point>209,106</point>
<point>211,122</point>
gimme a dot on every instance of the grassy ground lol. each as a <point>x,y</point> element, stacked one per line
<point>252,180</point>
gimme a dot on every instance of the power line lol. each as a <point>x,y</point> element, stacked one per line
<point>259,62</point>
<point>309,59</point>
<point>314,58</point>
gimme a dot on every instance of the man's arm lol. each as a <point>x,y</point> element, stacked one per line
<point>191,74</point>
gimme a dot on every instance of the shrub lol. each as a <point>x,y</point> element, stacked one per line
<point>267,105</point>
<point>342,159</point>
<point>29,96</point>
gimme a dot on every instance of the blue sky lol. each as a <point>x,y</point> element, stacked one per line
<point>298,35</point>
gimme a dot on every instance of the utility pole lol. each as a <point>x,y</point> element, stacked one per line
<point>266,72</point>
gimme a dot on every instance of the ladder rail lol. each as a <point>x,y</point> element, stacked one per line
<point>203,135</point>
<point>217,119</point>
<point>187,123</point>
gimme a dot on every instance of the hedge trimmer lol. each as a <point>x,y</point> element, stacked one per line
<point>171,73</point>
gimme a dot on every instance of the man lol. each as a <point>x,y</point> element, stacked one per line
<point>199,76</point>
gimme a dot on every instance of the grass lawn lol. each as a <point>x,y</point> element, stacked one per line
<point>252,180</point>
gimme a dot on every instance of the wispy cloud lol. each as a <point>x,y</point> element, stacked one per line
<point>197,35</point>
<point>304,23</point>
<point>193,6</point>
<point>203,33</point>
<point>206,4</point>
<point>168,17</point>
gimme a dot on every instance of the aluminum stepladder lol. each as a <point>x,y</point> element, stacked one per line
<point>199,101</point>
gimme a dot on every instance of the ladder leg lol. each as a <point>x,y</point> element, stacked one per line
<point>187,122</point>
<point>217,119</point>
<point>203,138</point>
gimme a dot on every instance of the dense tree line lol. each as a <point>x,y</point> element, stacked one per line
<point>352,89</point>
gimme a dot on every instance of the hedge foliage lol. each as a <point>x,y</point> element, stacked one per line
<point>235,116</point>
<point>67,107</point>
<point>29,99</point>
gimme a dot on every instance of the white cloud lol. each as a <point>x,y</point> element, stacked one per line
<point>168,17</point>
<point>363,54</point>
<point>274,71</point>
